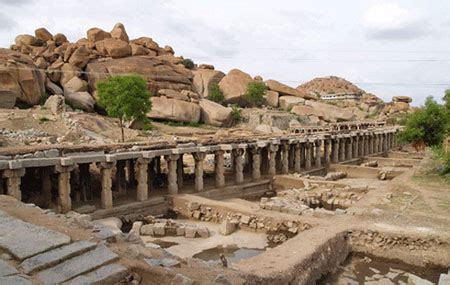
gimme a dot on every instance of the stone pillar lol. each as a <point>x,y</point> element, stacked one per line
<point>46,184</point>
<point>326,152</point>
<point>335,150</point>
<point>342,149</point>
<point>256,163</point>
<point>285,158</point>
<point>362,146</point>
<point>307,156</point>
<point>318,163</point>
<point>120,177</point>
<point>356,145</point>
<point>172,161</point>
<point>264,160</point>
<point>273,150</point>
<point>13,181</point>
<point>302,154</point>
<point>239,159</point>
<point>219,168</point>
<point>199,157</point>
<point>297,158</point>
<point>366,146</point>
<point>349,149</point>
<point>142,187</point>
<point>64,200</point>
<point>291,156</point>
<point>85,181</point>
<point>180,171</point>
<point>385,142</point>
<point>106,194</point>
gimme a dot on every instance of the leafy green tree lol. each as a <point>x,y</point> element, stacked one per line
<point>124,97</point>
<point>236,113</point>
<point>215,94</point>
<point>188,63</point>
<point>428,125</point>
<point>255,93</point>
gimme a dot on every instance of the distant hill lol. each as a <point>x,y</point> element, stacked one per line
<point>330,84</point>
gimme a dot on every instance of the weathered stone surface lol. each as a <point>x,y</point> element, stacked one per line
<point>80,57</point>
<point>164,262</point>
<point>28,40</point>
<point>140,50</point>
<point>190,231</point>
<point>173,94</point>
<point>59,39</point>
<point>215,114</point>
<point>203,232</point>
<point>234,86</point>
<point>52,257</point>
<point>159,75</point>
<point>77,265</point>
<point>158,229</point>
<point>75,85</point>
<point>288,102</point>
<point>227,228</point>
<point>147,230</point>
<point>13,239</point>
<point>119,32</point>
<point>331,112</point>
<point>180,279</point>
<point>287,90</point>
<point>399,106</point>
<point>146,42</point>
<point>15,280</point>
<point>272,98</point>
<point>68,72</point>
<point>222,279</point>
<point>307,111</point>
<point>176,110</point>
<point>55,103</point>
<point>405,99</point>
<point>52,88</point>
<point>108,274</point>
<point>113,47</point>
<point>7,269</point>
<point>20,80</point>
<point>80,100</point>
<point>95,34</point>
<point>204,78</point>
<point>43,34</point>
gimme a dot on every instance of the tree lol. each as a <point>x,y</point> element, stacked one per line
<point>188,63</point>
<point>428,125</point>
<point>215,94</point>
<point>255,93</point>
<point>124,97</point>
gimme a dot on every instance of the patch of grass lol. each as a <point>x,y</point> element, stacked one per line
<point>43,120</point>
<point>43,98</point>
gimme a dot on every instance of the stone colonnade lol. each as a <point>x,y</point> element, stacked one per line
<point>249,162</point>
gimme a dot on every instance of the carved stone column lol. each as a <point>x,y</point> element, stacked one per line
<point>199,158</point>
<point>308,155</point>
<point>239,159</point>
<point>64,200</point>
<point>106,194</point>
<point>342,149</point>
<point>335,150</point>
<point>349,149</point>
<point>356,146</point>
<point>318,162</point>
<point>180,171</point>
<point>142,187</point>
<point>285,158</point>
<point>13,181</point>
<point>326,151</point>
<point>219,168</point>
<point>172,161</point>
<point>273,150</point>
<point>256,163</point>
<point>297,158</point>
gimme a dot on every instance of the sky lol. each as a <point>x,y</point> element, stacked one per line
<point>388,48</point>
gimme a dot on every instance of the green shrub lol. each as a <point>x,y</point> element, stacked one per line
<point>43,98</point>
<point>43,120</point>
<point>255,93</point>
<point>215,94</point>
<point>188,63</point>
<point>236,113</point>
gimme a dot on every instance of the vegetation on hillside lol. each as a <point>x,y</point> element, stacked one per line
<point>255,93</point>
<point>215,94</point>
<point>188,63</point>
<point>124,97</point>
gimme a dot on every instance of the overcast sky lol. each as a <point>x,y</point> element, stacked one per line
<point>386,47</point>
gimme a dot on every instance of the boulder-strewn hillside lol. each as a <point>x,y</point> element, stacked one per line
<point>330,84</point>
<point>48,64</point>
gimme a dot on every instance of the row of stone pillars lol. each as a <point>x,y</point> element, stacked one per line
<point>260,159</point>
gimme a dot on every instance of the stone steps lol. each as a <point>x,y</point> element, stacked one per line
<point>108,274</point>
<point>55,256</point>
<point>78,265</point>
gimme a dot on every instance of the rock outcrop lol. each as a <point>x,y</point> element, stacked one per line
<point>175,110</point>
<point>215,114</point>
<point>234,86</point>
<point>204,78</point>
<point>283,89</point>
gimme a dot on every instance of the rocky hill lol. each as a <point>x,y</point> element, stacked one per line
<point>330,84</point>
<point>44,64</point>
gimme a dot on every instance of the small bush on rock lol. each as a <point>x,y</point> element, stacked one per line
<point>236,113</point>
<point>188,63</point>
<point>215,94</point>
<point>255,93</point>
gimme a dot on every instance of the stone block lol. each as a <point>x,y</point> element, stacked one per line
<point>181,231</point>
<point>190,231</point>
<point>147,230</point>
<point>159,229</point>
<point>7,269</point>
<point>203,232</point>
<point>108,274</point>
<point>227,228</point>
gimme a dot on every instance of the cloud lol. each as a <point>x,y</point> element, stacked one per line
<point>6,23</point>
<point>388,21</point>
<point>14,2</point>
